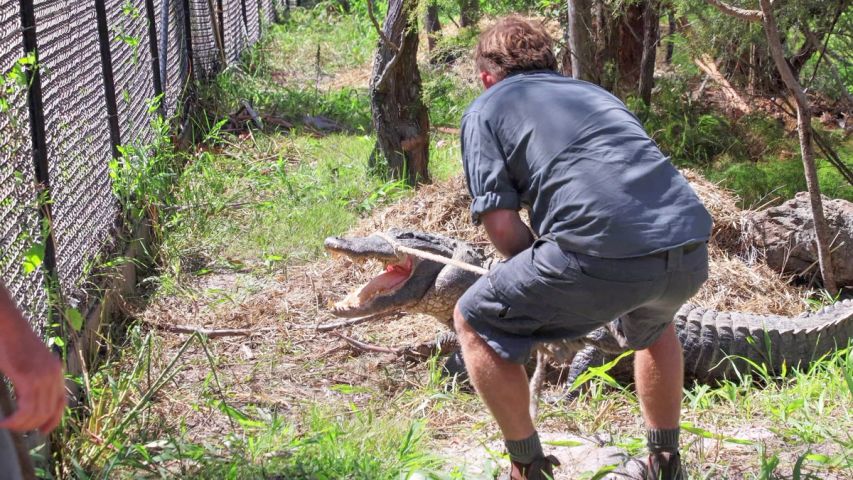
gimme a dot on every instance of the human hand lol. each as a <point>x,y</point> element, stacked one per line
<point>34,371</point>
<point>39,384</point>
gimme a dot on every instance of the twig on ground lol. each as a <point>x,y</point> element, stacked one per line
<point>211,333</point>
<point>366,347</point>
<point>252,114</point>
<point>180,208</point>
<point>345,323</point>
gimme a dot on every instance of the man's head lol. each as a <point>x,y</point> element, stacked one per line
<point>513,45</point>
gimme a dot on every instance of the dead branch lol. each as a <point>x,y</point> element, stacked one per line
<point>750,15</point>
<point>366,347</point>
<point>385,39</point>
<point>707,65</point>
<point>346,323</point>
<point>211,333</point>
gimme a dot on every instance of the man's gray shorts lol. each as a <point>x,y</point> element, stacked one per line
<point>545,294</point>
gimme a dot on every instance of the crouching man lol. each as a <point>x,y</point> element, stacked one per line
<point>617,235</point>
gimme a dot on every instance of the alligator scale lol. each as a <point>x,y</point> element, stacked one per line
<point>716,343</point>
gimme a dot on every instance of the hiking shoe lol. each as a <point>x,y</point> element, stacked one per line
<point>658,466</point>
<point>540,469</point>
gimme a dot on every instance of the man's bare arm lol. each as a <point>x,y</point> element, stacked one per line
<point>509,234</point>
<point>33,370</point>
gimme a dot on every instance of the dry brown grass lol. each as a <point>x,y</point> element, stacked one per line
<point>737,281</point>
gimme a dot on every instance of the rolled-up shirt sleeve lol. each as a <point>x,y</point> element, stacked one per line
<point>485,169</point>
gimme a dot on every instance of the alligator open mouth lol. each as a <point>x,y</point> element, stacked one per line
<point>391,280</point>
<point>403,282</point>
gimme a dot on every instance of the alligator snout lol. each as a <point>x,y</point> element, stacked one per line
<point>374,247</point>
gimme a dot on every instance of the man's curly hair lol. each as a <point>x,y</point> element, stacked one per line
<point>512,45</point>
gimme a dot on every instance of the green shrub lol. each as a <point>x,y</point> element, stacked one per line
<point>446,97</point>
<point>775,180</point>
<point>684,130</point>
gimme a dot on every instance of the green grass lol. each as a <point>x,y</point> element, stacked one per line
<point>796,423</point>
<point>277,196</point>
<point>344,41</point>
<point>762,182</point>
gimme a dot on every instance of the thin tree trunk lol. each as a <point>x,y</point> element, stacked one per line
<point>670,45</point>
<point>607,43</point>
<point>469,12</point>
<point>751,85</point>
<point>651,23</point>
<point>580,39</point>
<point>806,149</point>
<point>399,115</point>
<point>432,25</point>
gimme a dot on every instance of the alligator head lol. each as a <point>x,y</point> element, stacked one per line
<point>408,282</point>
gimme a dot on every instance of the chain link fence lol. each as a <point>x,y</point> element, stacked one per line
<point>79,78</point>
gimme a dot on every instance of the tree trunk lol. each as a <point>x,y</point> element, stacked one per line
<point>806,149</point>
<point>607,46</point>
<point>399,115</point>
<point>579,29</point>
<point>630,46</point>
<point>469,12</point>
<point>670,45</point>
<point>432,25</point>
<point>651,22</point>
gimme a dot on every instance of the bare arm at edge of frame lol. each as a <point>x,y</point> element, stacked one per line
<point>35,372</point>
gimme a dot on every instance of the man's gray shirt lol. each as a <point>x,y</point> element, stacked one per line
<point>582,164</point>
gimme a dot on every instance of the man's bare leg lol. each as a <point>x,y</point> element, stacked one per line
<point>502,385</point>
<point>659,374</point>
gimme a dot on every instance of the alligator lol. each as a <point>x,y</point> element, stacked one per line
<point>717,344</point>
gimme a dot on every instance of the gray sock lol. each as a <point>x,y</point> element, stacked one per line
<point>662,440</point>
<point>524,451</point>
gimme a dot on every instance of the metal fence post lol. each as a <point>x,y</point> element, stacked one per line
<point>37,135</point>
<point>245,16</point>
<point>188,36</point>
<point>188,40</point>
<point>38,138</point>
<point>155,56</point>
<point>107,69</point>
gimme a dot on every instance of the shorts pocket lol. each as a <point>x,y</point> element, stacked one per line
<point>549,260</point>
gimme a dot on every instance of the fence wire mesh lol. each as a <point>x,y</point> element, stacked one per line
<point>172,48</point>
<point>74,117</point>
<point>253,21</point>
<point>207,59</point>
<point>132,72</point>
<point>78,141</point>
<point>19,219</point>
<point>234,24</point>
